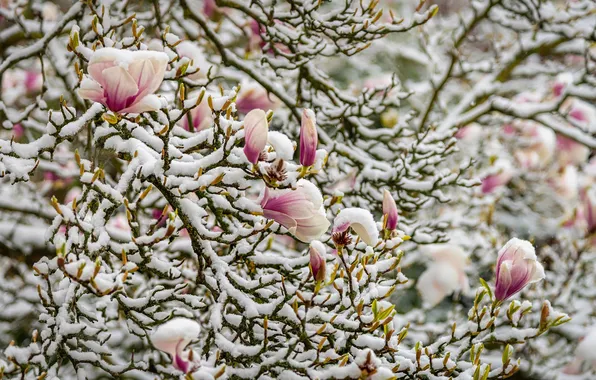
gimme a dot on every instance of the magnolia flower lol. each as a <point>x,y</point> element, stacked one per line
<point>124,80</point>
<point>498,179</point>
<point>253,97</point>
<point>390,209</point>
<point>308,138</point>
<point>300,210</point>
<point>201,117</point>
<point>256,128</point>
<point>445,275</point>
<point>361,221</point>
<point>172,338</point>
<point>517,267</point>
<point>318,264</point>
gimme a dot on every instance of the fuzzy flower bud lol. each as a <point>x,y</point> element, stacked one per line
<point>318,265</point>
<point>256,128</point>
<point>308,138</point>
<point>390,209</point>
<point>517,267</point>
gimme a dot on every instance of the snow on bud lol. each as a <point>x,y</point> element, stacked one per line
<point>172,338</point>
<point>308,138</point>
<point>390,209</point>
<point>300,210</point>
<point>445,275</point>
<point>517,267</point>
<point>361,221</point>
<point>125,81</point>
<point>256,128</point>
<point>318,264</point>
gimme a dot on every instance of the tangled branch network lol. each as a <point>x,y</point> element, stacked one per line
<point>298,189</point>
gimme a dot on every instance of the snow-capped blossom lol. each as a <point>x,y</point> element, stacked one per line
<point>493,181</point>
<point>201,117</point>
<point>445,275</point>
<point>299,210</point>
<point>125,81</point>
<point>172,338</point>
<point>517,266</point>
<point>390,209</point>
<point>308,138</point>
<point>361,221</point>
<point>470,133</point>
<point>256,128</point>
<point>253,97</point>
<point>318,264</point>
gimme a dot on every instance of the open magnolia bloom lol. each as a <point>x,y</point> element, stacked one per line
<point>445,275</point>
<point>361,221</point>
<point>300,210</point>
<point>517,267</point>
<point>124,80</point>
<point>172,338</point>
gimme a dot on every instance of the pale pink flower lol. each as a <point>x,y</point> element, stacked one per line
<point>361,221</point>
<point>493,181</point>
<point>252,97</point>
<point>256,128</point>
<point>308,138</point>
<point>125,81</point>
<point>172,338</point>
<point>299,210</point>
<point>201,116</point>
<point>517,266</point>
<point>390,209</point>
<point>318,264</point>
<point>445,274</point>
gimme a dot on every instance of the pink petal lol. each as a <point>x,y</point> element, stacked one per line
<point>120,88</point>
<point>91,90</point>
<point>145,104</point>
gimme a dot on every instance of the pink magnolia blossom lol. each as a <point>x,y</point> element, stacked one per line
<point>517,266</point>
<point>125,81</point>
<point>491,182</point>
<point>308,138</point>
<point>201,116</point>
<point>256,128</point>
<point>361,221</point>
<point>445,274</point>
<point>299,210</point>
<point>390,209</point>
<point>318,264</point>
<point>172,338</point>
<point>253,97</point>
